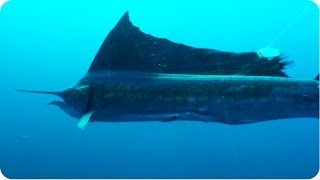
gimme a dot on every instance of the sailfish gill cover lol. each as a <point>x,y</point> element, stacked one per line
<point>48,46</point>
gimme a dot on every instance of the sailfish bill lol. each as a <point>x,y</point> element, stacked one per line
<point>138,77</point>
<point>39,92</point>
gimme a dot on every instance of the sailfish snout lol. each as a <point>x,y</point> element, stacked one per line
<point>41,92</point>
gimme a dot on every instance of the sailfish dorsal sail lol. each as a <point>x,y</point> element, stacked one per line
<point>127,48</point>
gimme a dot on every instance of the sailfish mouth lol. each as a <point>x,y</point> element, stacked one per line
<point>55,103</point>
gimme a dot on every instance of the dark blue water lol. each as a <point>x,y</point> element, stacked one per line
<point>49,45</point>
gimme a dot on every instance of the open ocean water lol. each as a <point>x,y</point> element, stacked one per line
<point>49,45</point>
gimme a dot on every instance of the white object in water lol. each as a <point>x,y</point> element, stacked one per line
<point>84,120</point>
<point>268,52</point>
<point>2,2</point>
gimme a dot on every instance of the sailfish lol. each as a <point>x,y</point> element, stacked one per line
<point>136,77</point>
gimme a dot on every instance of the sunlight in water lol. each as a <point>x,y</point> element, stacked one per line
<point>2,2</point>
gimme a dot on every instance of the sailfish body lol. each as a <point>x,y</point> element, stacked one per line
<point>131,96</point>
<point>138,77</point>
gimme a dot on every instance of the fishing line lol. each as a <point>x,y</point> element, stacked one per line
<point>289,25</point>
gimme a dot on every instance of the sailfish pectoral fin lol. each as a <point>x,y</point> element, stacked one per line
<point>84,120</point>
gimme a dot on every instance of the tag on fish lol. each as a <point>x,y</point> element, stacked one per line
<point>268,52</point>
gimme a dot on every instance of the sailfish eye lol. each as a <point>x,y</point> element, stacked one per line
<point>71,93</point>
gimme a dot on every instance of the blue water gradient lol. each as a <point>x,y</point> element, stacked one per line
<point>49,45</point>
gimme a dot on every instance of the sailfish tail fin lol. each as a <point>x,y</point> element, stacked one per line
<point>317,77</point>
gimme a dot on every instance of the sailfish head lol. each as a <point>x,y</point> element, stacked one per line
<point>73,101</point>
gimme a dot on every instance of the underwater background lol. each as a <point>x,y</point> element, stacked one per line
<point>49,45</point>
